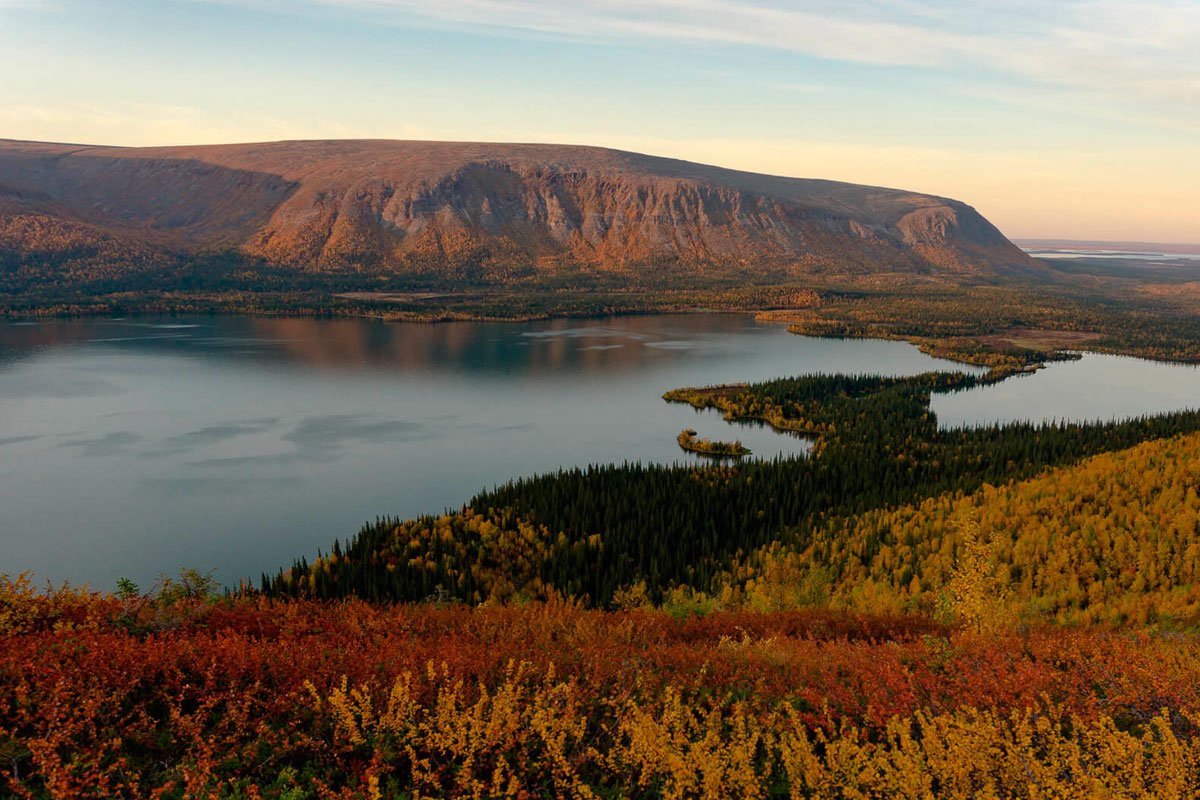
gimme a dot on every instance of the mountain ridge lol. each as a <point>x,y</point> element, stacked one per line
<point>493,212</point>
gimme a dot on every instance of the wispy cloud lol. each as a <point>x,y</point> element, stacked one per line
<point>135,123</point>
<point>1146,48</point>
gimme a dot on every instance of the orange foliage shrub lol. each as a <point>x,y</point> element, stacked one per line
<point>251,698</point>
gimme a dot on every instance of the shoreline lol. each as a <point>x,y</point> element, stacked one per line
<point>710,448</point>
<point>1011,345</point>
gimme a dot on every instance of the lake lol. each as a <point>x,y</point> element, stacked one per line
<point>131,447</point>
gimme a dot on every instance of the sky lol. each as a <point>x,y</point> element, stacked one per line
<point>1055,118</point>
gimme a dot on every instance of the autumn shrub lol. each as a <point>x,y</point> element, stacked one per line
<point>250,697</point>
<point>534,735</point>
<point>25,608</point>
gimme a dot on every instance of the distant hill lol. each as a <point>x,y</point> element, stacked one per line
<point>489,213</point>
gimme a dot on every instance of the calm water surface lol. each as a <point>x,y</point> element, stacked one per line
<point>133,447</point>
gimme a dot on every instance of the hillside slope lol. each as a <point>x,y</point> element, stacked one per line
<point>493,213</point>
<point>1110,539</point>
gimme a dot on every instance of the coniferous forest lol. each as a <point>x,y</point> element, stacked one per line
<point>598,533</point>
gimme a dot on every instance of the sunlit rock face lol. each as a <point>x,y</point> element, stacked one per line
<point>501,211</point>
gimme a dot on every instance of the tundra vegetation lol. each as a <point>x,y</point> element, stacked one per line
<point>246,696</point>
<point>1005,611</point>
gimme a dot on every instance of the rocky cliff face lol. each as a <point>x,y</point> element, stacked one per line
<point>497,210</point>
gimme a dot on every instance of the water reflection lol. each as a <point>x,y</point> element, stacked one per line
<point>132,447</point>
<point>348,344</point>
<point>1096,387</point>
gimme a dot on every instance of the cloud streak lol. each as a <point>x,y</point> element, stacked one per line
<point>137,123</point>
<point>1148,48</point>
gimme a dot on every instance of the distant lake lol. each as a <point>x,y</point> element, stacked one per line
<point>1096,387</point>
<point>1124,255</point>
<point>133,447</point>
<point>1181,256</point>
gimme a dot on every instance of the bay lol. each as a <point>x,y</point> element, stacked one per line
<point>132,447</point>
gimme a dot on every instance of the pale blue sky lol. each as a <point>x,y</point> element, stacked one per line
<point>1078,118</point>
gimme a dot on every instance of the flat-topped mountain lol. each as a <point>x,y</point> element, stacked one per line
<point>491,212</point>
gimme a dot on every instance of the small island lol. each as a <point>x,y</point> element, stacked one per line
<point>706,447</point>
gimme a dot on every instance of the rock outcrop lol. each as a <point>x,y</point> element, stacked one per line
<point>495,210</point>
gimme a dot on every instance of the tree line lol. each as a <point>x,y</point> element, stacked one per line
<point>592,532</point>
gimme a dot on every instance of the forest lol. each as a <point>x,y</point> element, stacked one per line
<point>600,533</point>
<point>1112,540</point>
